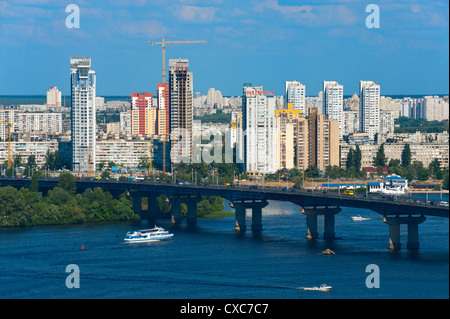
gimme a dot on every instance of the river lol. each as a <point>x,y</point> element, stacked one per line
<point>210,260</point>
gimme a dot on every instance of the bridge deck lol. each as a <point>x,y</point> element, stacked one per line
<point>383,206</point>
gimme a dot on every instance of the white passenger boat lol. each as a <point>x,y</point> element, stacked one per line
<point>359,218</point>
<point>147,235</point>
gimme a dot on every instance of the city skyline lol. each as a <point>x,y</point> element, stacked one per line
<point>267,42</point>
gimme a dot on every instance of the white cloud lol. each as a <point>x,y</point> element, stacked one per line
<point>312,15</point>
<point>197,14</point>
<point>148,28</point>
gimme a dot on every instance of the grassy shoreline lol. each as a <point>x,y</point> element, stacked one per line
<point>221,214</point>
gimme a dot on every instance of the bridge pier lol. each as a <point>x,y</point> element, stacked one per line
<point>191,218</point>
<point>413,231</point>
<point>137,202</point>
<point>311,226</point>
<point>329,221</point>
<point>191,203</point>
<point>152,205</point>
<point>176,210</point>
<point>240,218</point>
<point>240,208</point>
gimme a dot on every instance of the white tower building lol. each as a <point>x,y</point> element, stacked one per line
<point>83,122</point>
<point>259,123</point>
<point>53,97</point>
<point>369,107</point>
<point>333,103</point>
<point>295,94</point>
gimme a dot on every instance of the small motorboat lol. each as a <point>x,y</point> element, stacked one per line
<point>323,287</point>
<point>147,235</point>
<point>359,218</point>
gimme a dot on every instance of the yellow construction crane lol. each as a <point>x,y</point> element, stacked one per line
<point>163,44</point>
<point>9,142</point>
<point>90,165</point>
<point>150,156</point>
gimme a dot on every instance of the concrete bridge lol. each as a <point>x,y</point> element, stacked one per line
<point>312,203</point>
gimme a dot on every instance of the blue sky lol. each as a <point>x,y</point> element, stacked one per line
<point>265,42</point>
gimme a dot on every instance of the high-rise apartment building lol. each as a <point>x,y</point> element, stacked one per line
<point>295,94</point>
<point>53,97</point>
<point>435,108</point>
<point>7,116</point>
<point>386,122</point>
<point>323,140</point>
<point>259,123</point>
<point>83,122</point>
<point>143,114</point>
<point>369,107</point>
<point>292,128</point>
<point>180,104</point>
<point>285,146</point>
<point>333,103</point>
<point>214,99</point>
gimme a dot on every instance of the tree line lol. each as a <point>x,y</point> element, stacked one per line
<point>61,205</point>
<point>412,125</point>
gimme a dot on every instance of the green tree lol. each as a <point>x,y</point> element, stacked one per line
<point>380,159</point>
<point>105,175</point>
<point>312,171</point>
<point>67,181</point>
<point>17,160</point>
<point>53,160</point>
<point>406,156</point>
<point>445,181</point>
<point>59,196</point>
<point>204,208</point>
<point>422,174</point>
<point>34,187</point>
<point>358,158</point>
<point>350,159</point>
<point>435,168</point>
<point>333,172</point>
<point>394,163</point>
<point>31,165</point>
<point>299,182</point>
<point>8,202</point>
<point>394,167</point>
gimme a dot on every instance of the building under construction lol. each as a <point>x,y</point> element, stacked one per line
<point>181,103</point>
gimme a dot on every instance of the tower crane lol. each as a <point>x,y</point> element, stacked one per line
<point>9,142</point>
<point>163,44</point>
<point>90,165</point>
<point>150,156</point>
